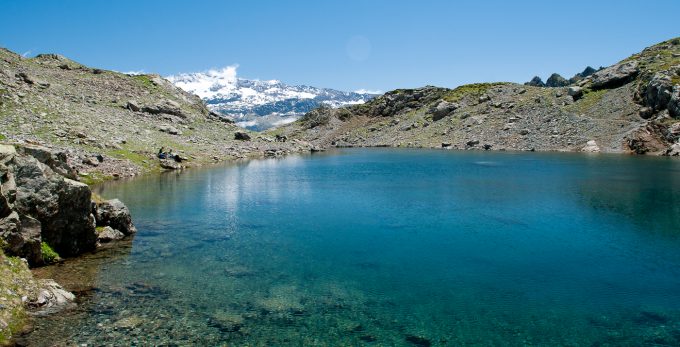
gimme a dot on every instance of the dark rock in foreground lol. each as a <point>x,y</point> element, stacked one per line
<point>38,205</point>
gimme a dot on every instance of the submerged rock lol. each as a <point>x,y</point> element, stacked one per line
<point>51,298</point>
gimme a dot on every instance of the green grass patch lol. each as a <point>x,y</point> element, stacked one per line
<point>589,99</point>
<point>134,157</point>
<point>3,137</point>
<point>48,254</point>
<point>144,80</point>
<point>93,178</point>
<point>474,90</point>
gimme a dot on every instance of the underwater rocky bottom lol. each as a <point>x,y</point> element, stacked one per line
<point>385,247</point>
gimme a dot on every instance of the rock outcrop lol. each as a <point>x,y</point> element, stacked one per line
<point>40,206</point>
<point>615,76</point>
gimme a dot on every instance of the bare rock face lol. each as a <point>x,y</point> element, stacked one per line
<point>658,91</point>
<point>674,103</point>
<point>615,76</point>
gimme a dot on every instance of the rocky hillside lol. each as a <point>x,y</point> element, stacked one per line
<point>109,124</point>
<point>632,106</point>
<point>259,105</point>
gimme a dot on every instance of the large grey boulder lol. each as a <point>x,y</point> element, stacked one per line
<point>108,234</point>
<point>165,106</point>
<point>615,75</point>
<point>115,214</point>
<point>443,109</point>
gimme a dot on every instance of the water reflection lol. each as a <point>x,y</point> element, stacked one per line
<point>395,248</point>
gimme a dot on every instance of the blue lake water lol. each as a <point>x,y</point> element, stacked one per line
<point>389,247</point>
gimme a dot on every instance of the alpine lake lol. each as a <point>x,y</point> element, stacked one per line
<point>387,247</point>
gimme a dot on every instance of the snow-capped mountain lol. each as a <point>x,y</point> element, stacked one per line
<point>258,105</point>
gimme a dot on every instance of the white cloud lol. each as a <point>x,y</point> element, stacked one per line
<point>368,91</point>
<point>138,72</point>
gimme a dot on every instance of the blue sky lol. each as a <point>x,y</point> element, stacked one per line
<point>348,45</point>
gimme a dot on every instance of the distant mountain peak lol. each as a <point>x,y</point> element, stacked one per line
<point>257,104</point>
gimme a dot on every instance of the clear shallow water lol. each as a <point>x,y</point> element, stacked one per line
<point>389,247</point>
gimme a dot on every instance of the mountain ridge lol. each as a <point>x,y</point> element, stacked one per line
<point>260,104</point>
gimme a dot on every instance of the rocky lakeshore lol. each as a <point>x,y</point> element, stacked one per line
<point>630,107</point>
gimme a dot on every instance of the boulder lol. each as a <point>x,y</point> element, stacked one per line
<point>575,92</point>
<point>170,164</point>
<point>114,214</point>
<point>615,76</point>
<point>108,234</point>
<point>591,147</point>
<point>443,109</point>
<point>673,150</point>
<point>165,106</point>
<point>240,135</point>
<point>51,298</point>
<point>646,112</point>
<point>169,129</point>
<point>133,106</point>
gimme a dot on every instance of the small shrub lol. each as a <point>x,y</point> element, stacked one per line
<point>48,254</point>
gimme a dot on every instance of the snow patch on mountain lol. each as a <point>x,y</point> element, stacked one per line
<point>256,104</point>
